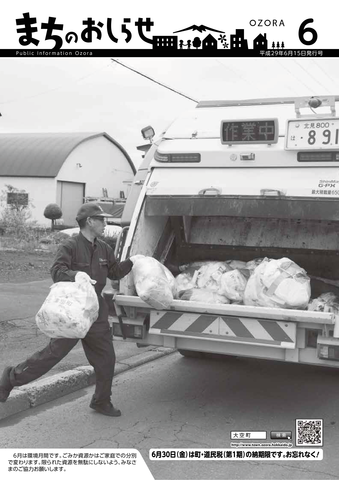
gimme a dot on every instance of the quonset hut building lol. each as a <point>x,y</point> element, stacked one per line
<point>64,168</point>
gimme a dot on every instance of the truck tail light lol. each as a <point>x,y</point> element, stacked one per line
<point>131,331</point>
<point>328,348</point>
<point>177,157</point>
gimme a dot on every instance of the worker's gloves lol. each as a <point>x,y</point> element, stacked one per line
<point>82,277</point>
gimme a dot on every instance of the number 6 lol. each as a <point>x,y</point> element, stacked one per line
<point>303,30</point>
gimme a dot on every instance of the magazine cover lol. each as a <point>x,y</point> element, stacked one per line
<point>169,218</point>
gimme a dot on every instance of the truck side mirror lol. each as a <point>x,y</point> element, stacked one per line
<point>148,133</point>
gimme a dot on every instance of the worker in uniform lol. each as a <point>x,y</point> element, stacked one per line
<point>84,252</point>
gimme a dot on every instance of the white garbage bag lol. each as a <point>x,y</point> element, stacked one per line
<point>209,275</point>
<point>278,283</point>
<point>70,308</point>
<point>154,283</point>
<point>203,295</point>
<point>185,281</point>
<point>252,264</point>
<point>232,285</point>
<point>193,265</point>
<point>171,280</point>
<point>326,302</point>
<point>237,264</point>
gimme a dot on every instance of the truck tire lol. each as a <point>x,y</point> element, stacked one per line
<point>191,353</point>
<point>210,356</point>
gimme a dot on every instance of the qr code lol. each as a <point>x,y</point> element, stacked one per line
<point>309,432</point>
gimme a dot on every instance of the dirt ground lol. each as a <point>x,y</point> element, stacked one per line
<point>20,267</point>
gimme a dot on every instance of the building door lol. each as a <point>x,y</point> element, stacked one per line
<point>70,198</point>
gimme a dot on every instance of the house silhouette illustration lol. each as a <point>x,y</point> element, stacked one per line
<point>209,43</point>
<point>238,41</point>
<point>260,42</point>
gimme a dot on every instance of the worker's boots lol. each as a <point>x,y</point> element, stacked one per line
<point>105,409</point>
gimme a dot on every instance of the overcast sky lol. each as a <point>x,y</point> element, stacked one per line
<point>82,94</point>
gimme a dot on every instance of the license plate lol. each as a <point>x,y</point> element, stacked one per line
<point>322,134</point>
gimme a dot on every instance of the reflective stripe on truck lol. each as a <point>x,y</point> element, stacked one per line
<point>224,328</point>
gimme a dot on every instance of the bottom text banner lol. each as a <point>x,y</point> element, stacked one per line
<point>236,454</point>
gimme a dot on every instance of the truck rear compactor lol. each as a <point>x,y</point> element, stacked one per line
<point>238,180</point>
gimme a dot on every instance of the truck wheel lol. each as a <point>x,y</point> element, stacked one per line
<point>191,353</point>
<point>220,356</point>
<point>210,356</point>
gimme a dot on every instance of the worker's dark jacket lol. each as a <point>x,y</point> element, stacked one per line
<point>78,254</point>
<point>98,261</point>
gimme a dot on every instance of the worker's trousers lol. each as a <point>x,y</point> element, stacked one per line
<point>98,348</point>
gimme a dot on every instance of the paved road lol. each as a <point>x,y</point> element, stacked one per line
<point>20,338</point>
<point>22,300</point>
<point>176,402</point>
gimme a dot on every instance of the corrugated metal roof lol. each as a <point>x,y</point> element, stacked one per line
<point>42,154</point>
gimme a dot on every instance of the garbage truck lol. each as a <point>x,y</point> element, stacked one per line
<point>238,180</point>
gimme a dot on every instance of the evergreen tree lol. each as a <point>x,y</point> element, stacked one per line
<point>196,42</point>
<point>53,212</point>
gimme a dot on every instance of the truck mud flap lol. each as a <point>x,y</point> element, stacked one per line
<point>224,328</point>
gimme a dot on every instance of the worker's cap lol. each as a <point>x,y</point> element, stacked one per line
<point>91,209</point>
